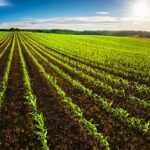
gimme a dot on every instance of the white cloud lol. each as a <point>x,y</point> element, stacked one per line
<point>102,13</point>
<point>82,23</point>
<point>4,3</point>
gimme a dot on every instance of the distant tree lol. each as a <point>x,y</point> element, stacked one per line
<point>14,29</point>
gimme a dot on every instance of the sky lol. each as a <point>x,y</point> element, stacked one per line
<point>76,14</point>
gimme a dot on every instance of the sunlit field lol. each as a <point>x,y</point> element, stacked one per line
<point>70,92</point>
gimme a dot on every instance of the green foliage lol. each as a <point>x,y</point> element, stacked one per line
<point>3,84</point>
<point>38,118</point>
<point>120,113</point>
<point>75,109</point>
<point>118,68</point>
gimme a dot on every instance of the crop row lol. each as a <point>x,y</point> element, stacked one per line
<point>63,47</point>
<point>109,78</point>
<point>89,93</point>
<point>5,40</point>
<point>123,115</point>
<point>68,101</point>
<point>5,78</point>
<point>31,100</point>
<point>96,68</point>
<point>3,36</point>
<point>120,93</point>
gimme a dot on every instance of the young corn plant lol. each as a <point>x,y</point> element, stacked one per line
<point>116,113</point>
<point>3,85</point>
<point>75,109</point>
<point>38,118</point>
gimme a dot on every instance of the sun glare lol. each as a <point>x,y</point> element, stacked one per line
<point>140,9</point>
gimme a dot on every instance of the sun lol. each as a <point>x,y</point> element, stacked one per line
<point>140,8</point>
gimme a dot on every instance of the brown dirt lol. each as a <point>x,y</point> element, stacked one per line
<point>64,131</point>
<point>16,130</point>
<point>119,135</point>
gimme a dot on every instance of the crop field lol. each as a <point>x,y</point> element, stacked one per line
<point>74,92</point>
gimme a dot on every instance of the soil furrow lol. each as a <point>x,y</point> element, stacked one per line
<point>119,136</point>
<point>3,60</point>
<point>16,130</point>
<point>64,131</point>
